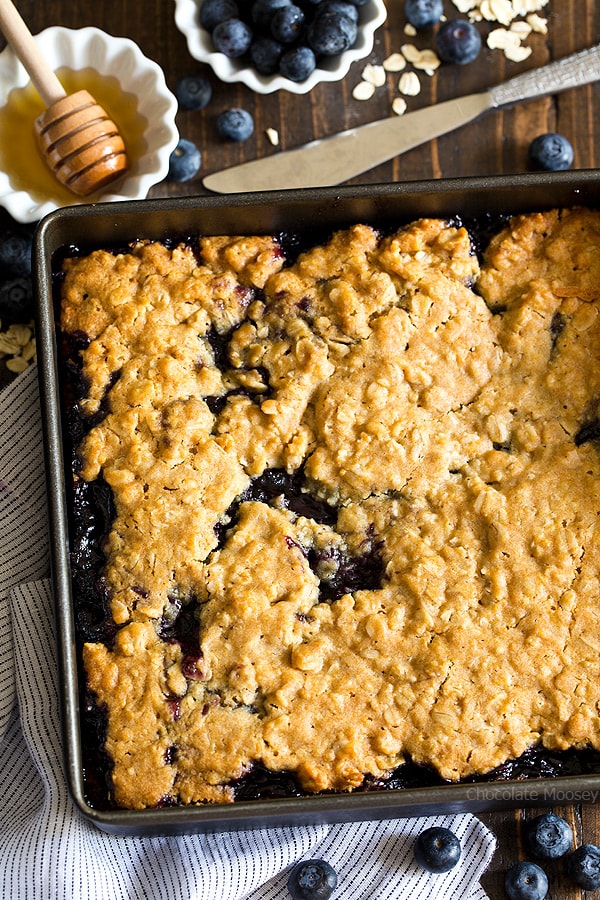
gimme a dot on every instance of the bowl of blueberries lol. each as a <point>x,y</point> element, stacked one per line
<point>272,45</point>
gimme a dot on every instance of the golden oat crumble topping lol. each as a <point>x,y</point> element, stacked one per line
<point>447,417</point>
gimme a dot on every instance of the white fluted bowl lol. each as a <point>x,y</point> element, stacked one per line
<point>91,48</point>
<point>187,19</point>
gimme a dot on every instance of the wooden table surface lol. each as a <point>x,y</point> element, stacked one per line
<point>496,143</point>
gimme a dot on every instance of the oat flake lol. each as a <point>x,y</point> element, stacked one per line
<point>427,61</point>
<point>375,75</point>
<point>16,364</point>
<point>21,333</point>
<point>502,39</point>
<point>522,7</point>
<point>8,345</point>
<point>501,11</point>
<point>410,52</point>
<point>523,29</point>
<point>498,11</point>
<point>465,6</point>
<point>273,136</point>
<point>394,63</point>
<point>364,90</point>
<point>517,53</point>
<point>538,24</point>
<point>29,351</point>
<point>399,106</point>
<point>409,84</point>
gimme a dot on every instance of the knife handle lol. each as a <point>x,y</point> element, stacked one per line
<point>569,72</point>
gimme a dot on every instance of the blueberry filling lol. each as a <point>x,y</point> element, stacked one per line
<point>537,762</point>
<point>94,513</point>
<point>180,624</point>
<point>289,489</point>
<point>280,483</point>
<point>557,326</point>
<point>217,404</point>
<point>219,344</point>
<point>261,784</point>
<point>340,574</point>
<point>97,764</point>
<point>589,431</point>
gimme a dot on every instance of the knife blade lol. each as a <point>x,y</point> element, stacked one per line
<point>339,157</point>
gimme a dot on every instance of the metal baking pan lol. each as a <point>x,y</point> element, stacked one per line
<point>313,210</point>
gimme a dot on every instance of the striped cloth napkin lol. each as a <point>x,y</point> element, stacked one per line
<point>47,851</point>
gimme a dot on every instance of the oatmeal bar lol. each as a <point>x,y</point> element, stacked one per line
<point>368,476</point>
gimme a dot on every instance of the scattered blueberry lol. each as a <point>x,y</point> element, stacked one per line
<point>298,63</point>
<point>331,33</point>
<point>526,881</point>
<point>583,867</point>
<point>184,162</point>
<point>287,24</point>
<point>232,37</point>
<point>235,124</point>
<point>313,879</point>
<point>15,252</point>
<point>193,92</point>
<point>214,11</point>
<point>551,152</point>
<point>16,299</point>
<point>548,836</point>
<point>437,849</point>
<point>423,13</point>
<point>458,41</point>
<point>265,55</point>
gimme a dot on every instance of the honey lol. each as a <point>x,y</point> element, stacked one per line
<point>20,156</point>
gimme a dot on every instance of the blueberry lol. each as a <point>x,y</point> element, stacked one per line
<point>548,836</point>
<point>265,54</point>
<point>458,41</point>
<point>583,867</point>
<point>235,124</point>
<point>313,879</point>
<point>437,849</point>
<point>184,162</point>
<point>331,33</point>
<point>214,11</point>
<point>16,299</point>
<point>15,252</point>
<point>298,63</point>
<point>264,10</point>
<point>232,37</point>
<point>287,24</point>
<point>423,13</point>
<point>526,881</point>
<point>193,92</point>
<point>551,152</point>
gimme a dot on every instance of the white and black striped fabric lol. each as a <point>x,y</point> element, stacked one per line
<point>48,852</point>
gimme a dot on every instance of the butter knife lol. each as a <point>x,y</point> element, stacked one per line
<point>342,156</point>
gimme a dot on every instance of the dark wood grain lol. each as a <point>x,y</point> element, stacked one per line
<point>496,143</point>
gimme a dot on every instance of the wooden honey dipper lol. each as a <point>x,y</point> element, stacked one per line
<point>79,142</point>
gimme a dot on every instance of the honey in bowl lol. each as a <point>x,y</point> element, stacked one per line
<point>20,156</point>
